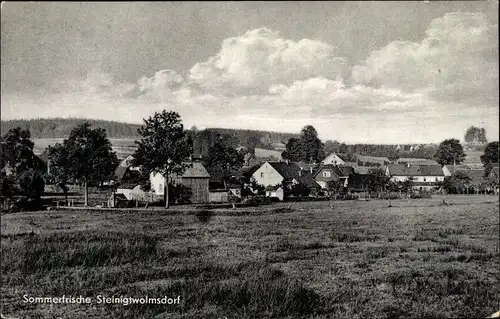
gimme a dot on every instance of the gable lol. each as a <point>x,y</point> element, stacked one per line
<point>265,168</point>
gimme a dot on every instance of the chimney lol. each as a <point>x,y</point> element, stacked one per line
<point>286,161</point>
<point>408,164</point>
<point>300,173</point>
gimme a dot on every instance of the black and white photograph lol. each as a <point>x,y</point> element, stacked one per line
<point>249,159</point>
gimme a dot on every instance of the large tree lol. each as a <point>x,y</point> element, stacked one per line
<point>475,135</point>
<point>294,150</point>
<point>450,151</point>
<point>89,155</point>
<point>308,147</point>
<point>22,171</point>
<point>490,156</point>
<point>312,145</point>
<point>164,147</point>
<point>223,154</point>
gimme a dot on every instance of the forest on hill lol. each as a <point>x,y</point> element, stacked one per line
<point>60,128</point>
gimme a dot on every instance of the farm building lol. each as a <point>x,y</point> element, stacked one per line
<point>424,177</point>
<point>195,177</point>
<point>329,172</point>
<point>283,173</point>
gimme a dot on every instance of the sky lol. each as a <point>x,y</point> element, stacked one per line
<point>359,72</point>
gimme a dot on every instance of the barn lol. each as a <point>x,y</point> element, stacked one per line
<point>195,177</point>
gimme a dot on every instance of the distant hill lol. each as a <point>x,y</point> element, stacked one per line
<point>60,128</point>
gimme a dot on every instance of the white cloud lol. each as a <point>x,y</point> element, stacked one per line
<point>457,60</point>
<point>254,61</point>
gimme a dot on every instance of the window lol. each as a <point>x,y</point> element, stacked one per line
<point>261,174</point>
<point>326,174</point>
<point>424,180</point>
<point>160,188</point>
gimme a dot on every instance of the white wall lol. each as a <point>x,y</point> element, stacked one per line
<point>157,183</point>
<point>333,159</point>
<point>266,175</point>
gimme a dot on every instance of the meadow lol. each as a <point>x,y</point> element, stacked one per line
<point>352,259</point>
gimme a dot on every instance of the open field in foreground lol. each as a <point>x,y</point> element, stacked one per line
<point>311,260</point>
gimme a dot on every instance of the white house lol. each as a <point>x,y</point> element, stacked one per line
<point>424,177</point>
<point>333,159</point>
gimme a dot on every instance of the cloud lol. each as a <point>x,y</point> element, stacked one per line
<point>406,91</point>
<point>254,61</point>
<point>457,60</point>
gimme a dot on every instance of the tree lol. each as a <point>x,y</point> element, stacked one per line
<point>164,147</point>
<point>60,166</point>
<point>26,171</point>
<point>223,155</point>
<point>490,153</point>
<point>475,135</point>
<point>294,150</point>
<point>377,179</point>
<point>490,157</point>
<point>331,147</point>
<point>89,155</point>
<point>252,141</point>
<point>450,151</point>
<point>311,145</point>
<point>456,182</point>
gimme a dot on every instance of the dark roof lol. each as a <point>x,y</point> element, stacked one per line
<point>196,170</point>
<point>289,171</point>
<point>339,170</point>
<point>128,185</point>
<point>308,181</point>
<point>120,172</point>
<point>415,170</point>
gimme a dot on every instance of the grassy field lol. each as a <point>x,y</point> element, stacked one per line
<point>350,259</point>
<point>122,147</point>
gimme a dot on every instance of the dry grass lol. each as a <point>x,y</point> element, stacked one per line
<point>357,259</point>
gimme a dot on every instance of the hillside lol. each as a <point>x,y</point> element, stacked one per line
<point>60,128</point>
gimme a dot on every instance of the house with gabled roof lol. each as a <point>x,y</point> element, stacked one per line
<point>283,173</point>
<point>334,159</point>
<point>329,172</point>
<point>424,177</point>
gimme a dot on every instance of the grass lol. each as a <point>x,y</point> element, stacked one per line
<point>357,259</point>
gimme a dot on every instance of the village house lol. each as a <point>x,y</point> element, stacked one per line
<point>333,159</point>
<point>424,177</point>
<point>478,180</point>
<point>329,172</point>
<point>283,173</point>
